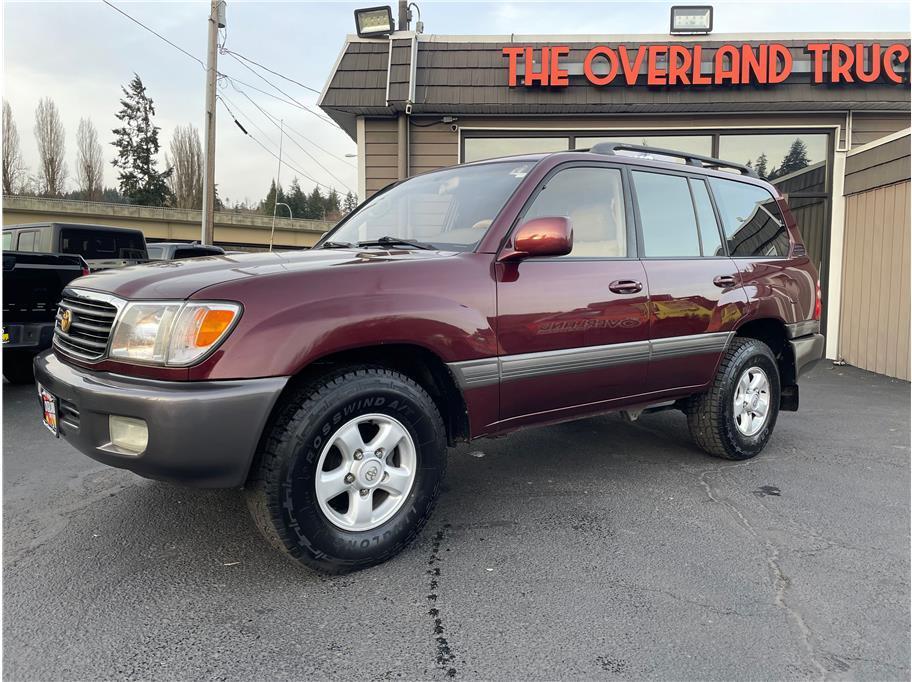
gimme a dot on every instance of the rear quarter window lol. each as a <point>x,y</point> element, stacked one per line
<point>7,240</point>
<point>99,244</point>
<point>27,240</point>
<point>192,253</point>
<point>753,224</point>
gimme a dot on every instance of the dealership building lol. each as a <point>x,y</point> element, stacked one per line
<point>824,117</point>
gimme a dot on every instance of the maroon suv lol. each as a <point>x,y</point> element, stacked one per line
<point>462,303</point>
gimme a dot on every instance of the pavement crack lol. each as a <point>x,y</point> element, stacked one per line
<point>712,608</point>
<point>444,656</point>
<point>780,581</point>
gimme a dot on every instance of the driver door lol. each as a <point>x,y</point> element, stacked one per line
<point>573,331</point>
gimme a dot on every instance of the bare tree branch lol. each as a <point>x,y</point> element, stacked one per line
<point>13,169</point>
<point>51,140</point>
<point>89,161</point>
<point>186,181</point>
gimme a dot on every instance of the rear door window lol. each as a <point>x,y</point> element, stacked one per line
<point>667,216</point>
<point>7,240</point>
<point>753,224</point>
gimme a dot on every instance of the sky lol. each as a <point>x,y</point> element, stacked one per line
<point>80,53</point>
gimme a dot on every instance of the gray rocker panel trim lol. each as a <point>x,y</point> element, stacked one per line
<point>487,371</point>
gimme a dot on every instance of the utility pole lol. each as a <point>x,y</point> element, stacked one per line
<point>403,16</point>
<point>216,21</point>
<point>275,205</point>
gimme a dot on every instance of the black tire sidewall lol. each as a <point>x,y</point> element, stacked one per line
<point>296,506</point>
<point>754,354</point>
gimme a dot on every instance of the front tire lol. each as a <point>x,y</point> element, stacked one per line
<point>736,417</point>
<point>351,469</point>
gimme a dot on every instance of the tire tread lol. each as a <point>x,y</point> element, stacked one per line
<point>706,411</point>
<point>265,508</point>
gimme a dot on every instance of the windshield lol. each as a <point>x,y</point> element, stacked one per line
<point>449,209</point>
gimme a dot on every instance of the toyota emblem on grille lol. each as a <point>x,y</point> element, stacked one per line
<point>66,319</point>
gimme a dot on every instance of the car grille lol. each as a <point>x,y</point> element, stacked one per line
<point>91,321</point>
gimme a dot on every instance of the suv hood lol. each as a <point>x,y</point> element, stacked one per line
<point>180,279</point>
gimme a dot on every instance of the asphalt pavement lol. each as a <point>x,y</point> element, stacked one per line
<point>597,549</point>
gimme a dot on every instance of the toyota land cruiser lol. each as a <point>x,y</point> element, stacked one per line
<point>465,302</point>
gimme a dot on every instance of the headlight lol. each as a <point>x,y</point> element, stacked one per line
<point>171,333</point>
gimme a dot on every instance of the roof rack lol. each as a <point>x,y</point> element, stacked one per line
<point>611,148</point>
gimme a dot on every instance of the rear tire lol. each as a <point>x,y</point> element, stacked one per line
<point>326,491</point>
<point>18,367</point>
<point>736,417</point>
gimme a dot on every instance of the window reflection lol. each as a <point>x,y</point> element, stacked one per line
<point>480,148</point>
<point>694,144</point>
<point>774,156</point>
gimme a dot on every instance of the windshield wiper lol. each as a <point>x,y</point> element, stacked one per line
<point>336,245</point>
<point>393,241</point>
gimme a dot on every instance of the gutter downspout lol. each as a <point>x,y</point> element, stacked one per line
<point>403,147</point>
<point>837,242</point>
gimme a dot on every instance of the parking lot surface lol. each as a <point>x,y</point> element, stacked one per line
<point>596,549</point>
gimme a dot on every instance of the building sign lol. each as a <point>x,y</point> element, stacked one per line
<point>765,64</point>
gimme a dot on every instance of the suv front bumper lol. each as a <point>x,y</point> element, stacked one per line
<point>202,433</point>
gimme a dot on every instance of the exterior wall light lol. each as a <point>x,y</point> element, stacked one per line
<point>374,22</point>
<point>692,19</point>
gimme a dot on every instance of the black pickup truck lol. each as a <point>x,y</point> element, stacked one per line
<point>102,246</point>
<point>32,286</point>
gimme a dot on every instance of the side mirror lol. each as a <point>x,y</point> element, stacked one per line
<point>539,237</point>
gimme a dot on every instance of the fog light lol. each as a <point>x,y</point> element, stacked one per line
<point>129,434</point>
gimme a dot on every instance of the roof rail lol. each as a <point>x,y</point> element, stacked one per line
<point>611,148</point>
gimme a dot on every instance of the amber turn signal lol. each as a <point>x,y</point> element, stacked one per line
<point>212,326</point>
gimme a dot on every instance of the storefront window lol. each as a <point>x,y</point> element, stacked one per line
<point>479,148</point>
<point>774,156</point>
<point>796,163</point>
<point>694,144</point>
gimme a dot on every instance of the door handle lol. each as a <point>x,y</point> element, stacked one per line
<point>724,281</point>
<point>625,286</point>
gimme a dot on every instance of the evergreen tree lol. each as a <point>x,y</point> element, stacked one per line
<point>794,160</point>
<point>137,148</point>
<point>267,206</point>
<point>113,196</point>
<point>762,166</point>
<point>315,205</point>
<point>296,199</point>
<point>350,203</point>
<point>332,202</point>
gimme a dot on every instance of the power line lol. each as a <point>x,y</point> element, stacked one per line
<point>290,100</point>
<point>261,91</point>
<point>297,144</point>
<point>275,73</point>
<point>269,151</point>
<point>291,139</point>
<point>155,33</point>
<point>289,128</point>
<point>278,89</point>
